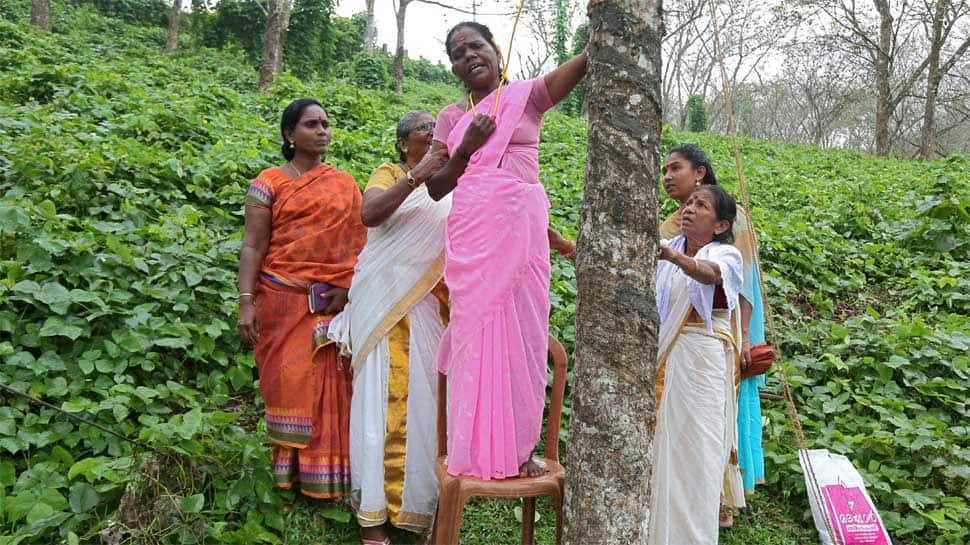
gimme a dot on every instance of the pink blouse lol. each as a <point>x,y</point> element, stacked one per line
<point>522,155</point>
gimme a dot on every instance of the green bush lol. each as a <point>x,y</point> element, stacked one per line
<point>371,71</point>
<point>696,114</point>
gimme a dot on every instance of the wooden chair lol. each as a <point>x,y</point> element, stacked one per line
<point>455,491</point>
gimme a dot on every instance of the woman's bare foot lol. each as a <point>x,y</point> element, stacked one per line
<point>531,469</point>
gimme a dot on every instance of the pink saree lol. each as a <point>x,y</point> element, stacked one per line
<point>497,272</point>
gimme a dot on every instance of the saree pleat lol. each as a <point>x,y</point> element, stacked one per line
<point>694,433</point>
<point>307,396</point>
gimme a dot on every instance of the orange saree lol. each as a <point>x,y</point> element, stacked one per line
<point>316,236</point>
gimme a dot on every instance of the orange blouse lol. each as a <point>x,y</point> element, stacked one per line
<point>316,231</point>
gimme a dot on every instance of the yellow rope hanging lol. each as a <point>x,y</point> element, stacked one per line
<point>504,76</point>
<point>792,410</point>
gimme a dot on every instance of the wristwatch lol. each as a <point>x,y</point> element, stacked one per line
<point>412,183</point>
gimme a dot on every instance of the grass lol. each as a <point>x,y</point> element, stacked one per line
<point>768,520</point>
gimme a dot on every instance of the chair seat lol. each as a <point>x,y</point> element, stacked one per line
<point>515,487</point>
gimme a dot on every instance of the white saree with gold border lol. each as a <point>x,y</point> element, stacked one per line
<point>392,327</point>
<point>696,427</point>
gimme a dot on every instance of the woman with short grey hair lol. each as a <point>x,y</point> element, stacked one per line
<point>392,327</point>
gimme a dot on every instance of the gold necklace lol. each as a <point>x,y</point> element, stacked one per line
<point>298,171</point>
<point>498,96</point>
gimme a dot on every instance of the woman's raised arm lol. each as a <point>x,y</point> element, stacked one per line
<point>566,76</point>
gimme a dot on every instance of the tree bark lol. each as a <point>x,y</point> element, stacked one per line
<point>370,31</point>
<point>399,50</point>
<point>40,14</point>
<point>174,20</point>
<point>933,76</point>
<point>884,96</point>
<point>277,17</point>
<point>613,401</point>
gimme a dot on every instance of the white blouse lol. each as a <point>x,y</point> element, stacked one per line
<point>701,296</point>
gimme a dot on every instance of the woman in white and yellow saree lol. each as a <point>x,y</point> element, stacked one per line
<point>392,326</point>
<point>699,275</point>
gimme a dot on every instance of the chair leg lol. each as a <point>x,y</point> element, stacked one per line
<point>447,523</point>
<point>557,501</point>
<point>528,520</point>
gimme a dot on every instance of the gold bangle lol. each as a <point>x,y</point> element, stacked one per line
<point>410,178</point>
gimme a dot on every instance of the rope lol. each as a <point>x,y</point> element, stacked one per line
<point>504,76</point>
<point>792,410</point>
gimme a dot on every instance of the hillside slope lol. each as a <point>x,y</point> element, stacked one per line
<point>122,177</point>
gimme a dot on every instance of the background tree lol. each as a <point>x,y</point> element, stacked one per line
<point>277,20</point>
<point>400,13</point>
<point>751,31</point>
<point>574,103</point>
<point>696,114</point>
<point>370,31</point>
<point>946,14</point>
<point>616,317</point>
<point>889,44</point>
<point>40,14</point>
<point>174,20</point>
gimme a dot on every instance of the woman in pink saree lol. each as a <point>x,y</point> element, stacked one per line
<point>496,257</point>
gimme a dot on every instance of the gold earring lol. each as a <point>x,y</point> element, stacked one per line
<point>405,150</point>
<point>292,145</point>
<point>697,183</point>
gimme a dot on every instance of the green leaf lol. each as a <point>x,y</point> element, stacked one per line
<point>240,489</point>
<point>55,326</point>
<point>896,362</point>
<point>193,503</point>
<point>336,513</point>
<point>77,405</point>
<point>192,278</point>
<point>39,511</point>
<point>172,342</point>
<point>85,468</point>
<point>83,497</point>
<point>55,296</point>
<point>12,219</point>
<point>8,475</point>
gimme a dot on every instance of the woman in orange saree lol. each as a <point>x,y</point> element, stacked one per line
<point>302,227</point>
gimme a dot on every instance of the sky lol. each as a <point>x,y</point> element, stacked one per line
<point>426,25</point>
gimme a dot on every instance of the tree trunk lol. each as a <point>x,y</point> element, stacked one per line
<point>370,31</point>
<point>884,98</point>
<point>174,19</point>
<point>399,51</point>
<point>616,318</point>
<point>40,14</point>
<point>927,144</point>
<point>277,16</point>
